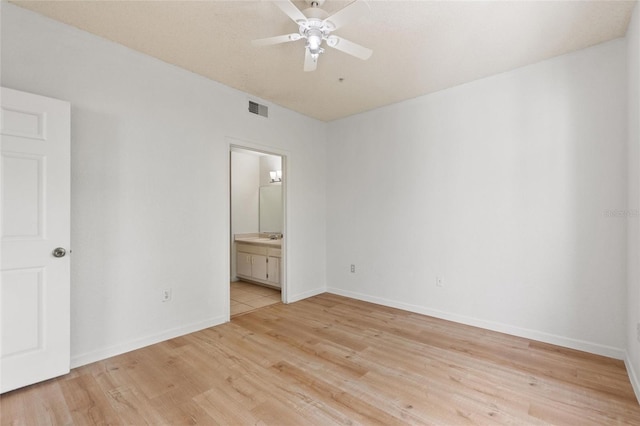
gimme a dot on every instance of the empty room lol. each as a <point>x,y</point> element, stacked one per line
<point>320,212</point>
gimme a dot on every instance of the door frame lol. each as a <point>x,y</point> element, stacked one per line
<point>240,144</point>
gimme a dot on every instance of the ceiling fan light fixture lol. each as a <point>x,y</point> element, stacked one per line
<point>314,42</point>
<point>332,41</point>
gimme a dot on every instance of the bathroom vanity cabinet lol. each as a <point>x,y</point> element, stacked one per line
<point>258,262</point>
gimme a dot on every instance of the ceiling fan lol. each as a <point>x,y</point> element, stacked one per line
<point>315,26</point>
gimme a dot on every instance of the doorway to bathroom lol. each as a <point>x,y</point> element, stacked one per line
<point>257,200</point>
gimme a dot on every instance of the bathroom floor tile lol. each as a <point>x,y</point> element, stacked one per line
<point>246,297</point>
<point>262,302</point>
<point>240,308</point>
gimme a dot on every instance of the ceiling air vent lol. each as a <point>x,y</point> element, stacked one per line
<point>258,109</point>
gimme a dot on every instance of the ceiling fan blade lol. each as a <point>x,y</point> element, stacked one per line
<point>349,47</point>
<point>291,10</point>
<point>310,63</point>
<point>276,40</point>
<point>351,12</point>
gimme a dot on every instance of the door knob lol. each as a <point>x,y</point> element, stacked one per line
<point>59,252</point>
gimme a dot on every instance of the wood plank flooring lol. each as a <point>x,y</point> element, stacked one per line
<point>333,360</point>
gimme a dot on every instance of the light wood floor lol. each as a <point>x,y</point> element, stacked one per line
<point>247,297</point>
<point>332,360</point>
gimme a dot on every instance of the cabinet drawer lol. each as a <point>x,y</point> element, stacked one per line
<point>274,252</point>
<point>251,249</point>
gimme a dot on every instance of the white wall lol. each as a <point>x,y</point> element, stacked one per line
<point>633,239</point>
<point>150,183</point>
<point>500,186</point>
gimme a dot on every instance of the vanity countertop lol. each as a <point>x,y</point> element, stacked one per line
<point>261,241</point>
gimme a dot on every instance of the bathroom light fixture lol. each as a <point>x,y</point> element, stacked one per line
<point>276,176</point>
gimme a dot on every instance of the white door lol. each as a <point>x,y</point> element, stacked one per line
<point>34,283</point>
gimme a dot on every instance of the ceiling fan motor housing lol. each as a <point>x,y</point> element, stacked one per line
<point>314,3</point>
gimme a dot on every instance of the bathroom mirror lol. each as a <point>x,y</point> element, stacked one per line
<point>271,209</point>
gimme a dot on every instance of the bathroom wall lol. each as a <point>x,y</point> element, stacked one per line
<point>245,182</point>
<point>267,164</point>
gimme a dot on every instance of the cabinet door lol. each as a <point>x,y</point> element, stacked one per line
<point>243,264</point>
<point>259,267</point>
<point>273,270</point>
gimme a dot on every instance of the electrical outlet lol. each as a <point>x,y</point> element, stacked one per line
<point>166,295</point>
<point>353,268</point>
<point>439,281</point>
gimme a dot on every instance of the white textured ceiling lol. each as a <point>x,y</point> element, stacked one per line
<point>419,46</point>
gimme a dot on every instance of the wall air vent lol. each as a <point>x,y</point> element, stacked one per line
<point>258,109</point>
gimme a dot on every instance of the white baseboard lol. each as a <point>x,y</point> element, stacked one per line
<point>633,376</point>
<point>306,294</point>
<point>567,342</point>
<point>100,354</point>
